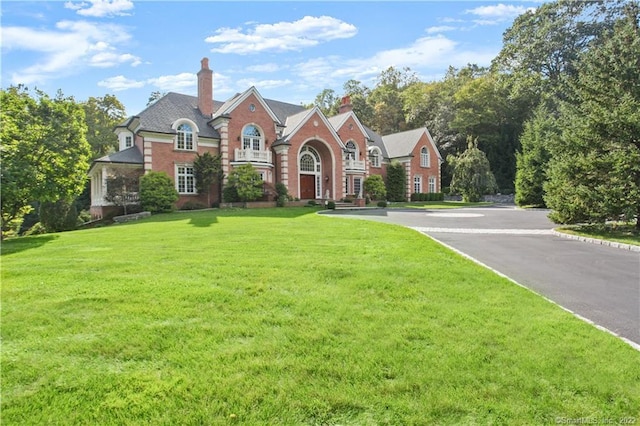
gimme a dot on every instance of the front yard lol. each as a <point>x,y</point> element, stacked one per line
<point>281,316</point>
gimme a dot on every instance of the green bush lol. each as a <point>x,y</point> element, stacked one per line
<point>157,193</point>
<point>382,203</point>
<point>37,229</point>
<point>427,196</point>
<point>59,216</point>
<point>280,202</point>
<point>230,194</point>
<point>312,203</point>
<point>282,190</point>
<point>331,205</point>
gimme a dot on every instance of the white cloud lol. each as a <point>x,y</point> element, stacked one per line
<point>263,84</point>
<point>263,68</point>
<point>101,8</point>
<point>120,83</point>
<point>494,14</point>
<point>282,36</point>
<point>426,56</point>
<point>177,83</point>
<point>440,29</point>
<point>68,48</point>
<point>111,59</point>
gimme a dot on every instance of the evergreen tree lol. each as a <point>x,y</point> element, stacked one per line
<point>396,182</point>
<point>594,172</point>
<point>247,183</point>
<point>472,176</point>
<point>207,170</point>
<point>532,160</point>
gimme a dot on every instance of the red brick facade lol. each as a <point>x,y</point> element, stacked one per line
<point>334,152</point>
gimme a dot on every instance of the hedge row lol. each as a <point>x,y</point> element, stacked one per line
<point>427,196</point>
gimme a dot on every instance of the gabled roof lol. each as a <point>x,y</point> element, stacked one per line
<point>295,122</point>
<point>237,99</point>
<point>160,116</point>
<point>337,121</point>
<point>402,144</point>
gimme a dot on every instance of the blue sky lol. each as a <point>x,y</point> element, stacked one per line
<point>290,51</point>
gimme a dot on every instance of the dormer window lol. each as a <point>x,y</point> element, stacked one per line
<point>375,157</point>
<point>128,141</point>
<point>125,140</point>
<point>252,138</point>
<point>184,138</point>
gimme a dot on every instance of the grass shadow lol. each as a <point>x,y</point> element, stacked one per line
<point>20,244</point>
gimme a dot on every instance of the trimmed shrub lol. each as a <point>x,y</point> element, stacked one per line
<point>230,194</point>
<point>281,190</point>
<point>382,204</point>
<point>157,193</point>
<point>193,205</point>
<point>280,202</point>
<point>331,205</point>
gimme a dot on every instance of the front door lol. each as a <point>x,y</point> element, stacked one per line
<point>307,187</point>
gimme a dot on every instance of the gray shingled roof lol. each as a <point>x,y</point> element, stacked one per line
<point>377,141</point>
<point>126,156</point>
<point>401,144</point>
<point>159,116</point>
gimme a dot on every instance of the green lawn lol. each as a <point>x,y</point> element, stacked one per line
<point>627,234</point>
<point>437,204</point>
<point>281,316</point>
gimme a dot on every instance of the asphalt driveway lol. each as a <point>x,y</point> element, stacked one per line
<point>599,283</point>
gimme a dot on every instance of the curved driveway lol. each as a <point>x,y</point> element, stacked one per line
<point>599,283</point>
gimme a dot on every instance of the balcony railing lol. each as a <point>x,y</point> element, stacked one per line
<point>351,164</point>
<point>252,155</point>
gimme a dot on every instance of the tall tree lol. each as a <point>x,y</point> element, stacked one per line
<point>102,115</point>
<point>359,95</point>
<point>207,170</point>
<point>396,182</point>
<point>533,157</point>
<point>386,100</point>
<point>45,153</point>
<point>327,101</point>
<point>472,176</point>
<point>594,171</point>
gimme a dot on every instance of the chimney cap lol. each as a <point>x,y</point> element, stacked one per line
<point>205,63</point>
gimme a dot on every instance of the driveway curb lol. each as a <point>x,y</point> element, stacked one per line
<point>614,244</point>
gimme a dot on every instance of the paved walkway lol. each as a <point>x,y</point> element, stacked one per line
<point>598,283</point>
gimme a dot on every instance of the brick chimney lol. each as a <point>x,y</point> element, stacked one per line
<point>346,106</point>
<point>205,88</point>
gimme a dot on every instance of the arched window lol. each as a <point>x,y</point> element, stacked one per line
<point>352,150</point>
<point>424,157</point>
<point>252,138</point>
<point>185,137</point>
<point>307,163</point>
<point>375,157</point>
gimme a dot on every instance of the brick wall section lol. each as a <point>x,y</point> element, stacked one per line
<point>424,172</point>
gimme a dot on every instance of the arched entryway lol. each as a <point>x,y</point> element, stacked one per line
<point>310,167</point>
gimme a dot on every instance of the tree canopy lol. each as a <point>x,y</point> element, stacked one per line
<point>45,153</point>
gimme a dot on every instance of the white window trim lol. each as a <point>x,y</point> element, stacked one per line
<point>178,175</point>
<point>433,184</point>
<point>417,184</point>
<point>377,155</point>
<point>251,146</point>
<point>122,140</point>
<point>194,134</point>
<point>425,158</point>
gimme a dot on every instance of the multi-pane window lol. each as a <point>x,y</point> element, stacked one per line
<point>185,137</point>
<point>185,180</point>
<point>424,157</point>
<point>128,141</point>
<point>357,185</point>
<point>251,138</point>
<point>307,163</point>
<point>346,185</point>
<point>432,184</point>
<point>352,150</point>
<point>417,184</point>
<point>375,158</point>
